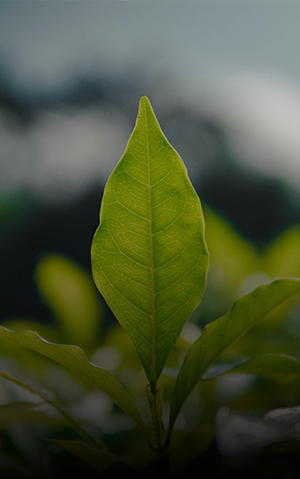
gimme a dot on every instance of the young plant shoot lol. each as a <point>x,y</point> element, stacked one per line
<point>150,262</point>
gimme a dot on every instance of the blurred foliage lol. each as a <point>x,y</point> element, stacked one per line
<point>72,297</point>
<point>78,311</point>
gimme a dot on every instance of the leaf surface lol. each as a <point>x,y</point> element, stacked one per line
<point>149,258</point>
<point>73,358</point>
<point>220,334</point>
<point>26,413</point>
<point>267,365</point>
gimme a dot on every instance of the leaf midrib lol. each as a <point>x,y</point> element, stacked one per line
<point>153,375</point>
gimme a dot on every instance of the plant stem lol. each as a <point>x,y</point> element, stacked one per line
<point>157,419</point>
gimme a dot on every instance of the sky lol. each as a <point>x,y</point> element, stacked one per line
<point>44,41</point>
<point>236,60</point>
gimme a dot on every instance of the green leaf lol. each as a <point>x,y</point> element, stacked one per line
<point>282,255</point>
<point>233,259</point>
<point>267,365</point>
<point>26,413</point>
<point>75,360</point>
<point>44,330</point>
<point>220,334</point>
<point>54,404</point>
<point>98,460</point>
<point>229,252</point>
<point>149,258</point>
<point>70,294</point>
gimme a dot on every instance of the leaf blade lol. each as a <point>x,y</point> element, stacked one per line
<point>220,334</point>
<point>55,405</point>
<point>267,365</point>
<point>25,413</point>
<point>73,358</point>
<point>149,258</point>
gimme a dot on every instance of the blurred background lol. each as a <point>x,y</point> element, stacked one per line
<point>224,81</point>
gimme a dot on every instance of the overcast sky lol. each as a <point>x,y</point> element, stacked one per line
<point>45,41</point>
<point>236,60</point>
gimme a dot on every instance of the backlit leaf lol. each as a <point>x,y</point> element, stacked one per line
<point>149,258</point>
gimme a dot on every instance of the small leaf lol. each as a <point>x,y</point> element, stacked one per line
<point>98,460</point>
<point>70,294</point>
<point>73,358</point>
<point>220,334</point>
<point>149,257</point>
<point>267,365</point>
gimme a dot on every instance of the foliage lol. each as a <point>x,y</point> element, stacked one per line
<point>150,263</point>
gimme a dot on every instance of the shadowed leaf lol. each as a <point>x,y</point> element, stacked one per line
<point>98,460</point>
<point>73,358</point>
<point>220,334</point>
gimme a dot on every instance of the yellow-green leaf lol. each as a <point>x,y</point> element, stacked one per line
<point>71,296</point>
<point>149,258</point>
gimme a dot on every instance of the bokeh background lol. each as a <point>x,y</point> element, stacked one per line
<point>224,81</point>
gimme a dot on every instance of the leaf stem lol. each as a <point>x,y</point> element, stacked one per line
<point>157,418</point>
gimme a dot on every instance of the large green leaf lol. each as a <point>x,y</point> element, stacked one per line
<point>73,358</point>
<point>220,334</point>
<point>149,257</point>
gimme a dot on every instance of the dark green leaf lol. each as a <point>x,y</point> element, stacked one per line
<point>26,414</point>
<point>98,460</point>
<point>220,334</point>
<point>75,360</point>
<point>267,365</point>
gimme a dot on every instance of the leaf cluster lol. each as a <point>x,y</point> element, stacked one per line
<point>150,263</point>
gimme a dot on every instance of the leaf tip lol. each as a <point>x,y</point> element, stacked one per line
<point>145,102</point>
